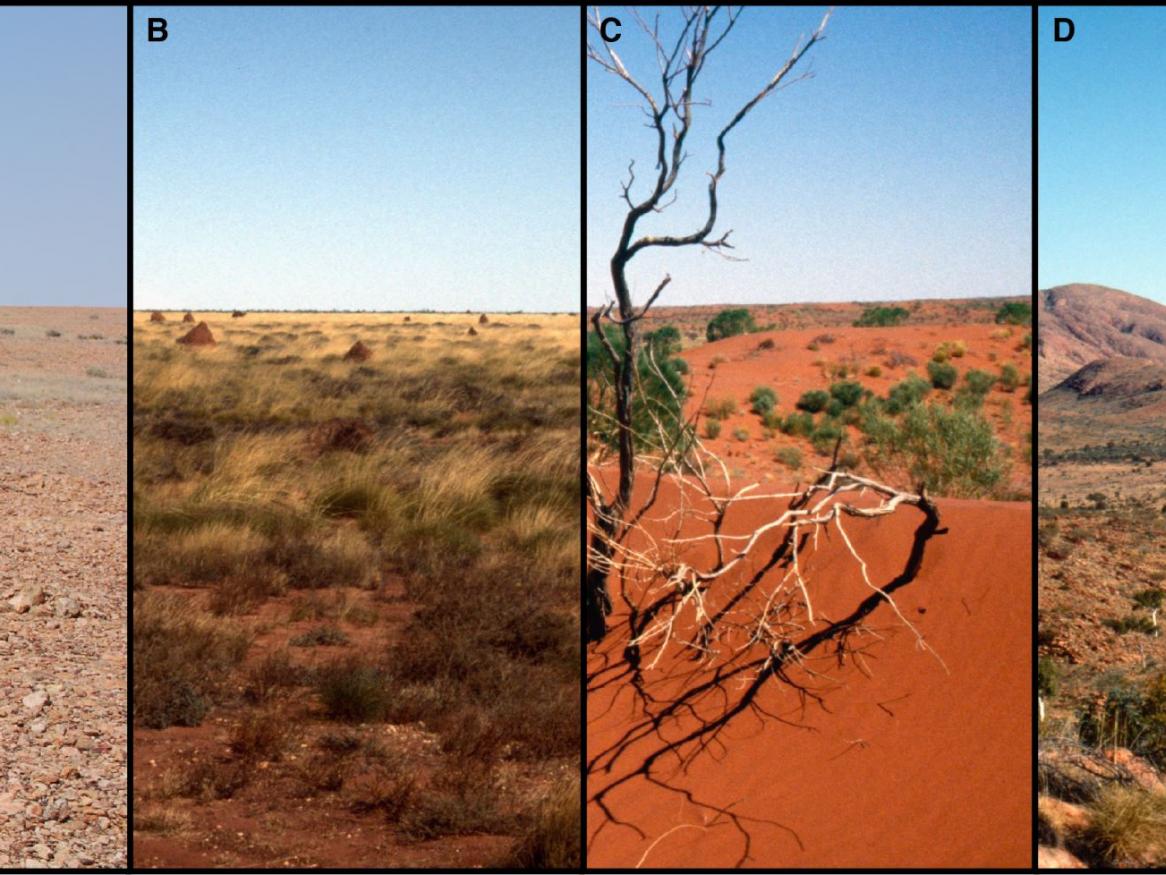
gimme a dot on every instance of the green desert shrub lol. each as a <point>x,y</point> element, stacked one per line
<point>814,401</point>
<point>847,392</point>
<point>763,400</point>
<point>798,424</point>
<point>953,452</point>
<point>1009,377</point>
<point>907,393</point>
<point>659,388</point>
<point>882,317</point>
<point>825,436</point>
<point>943,375</point>
<point>729,323</point>
<point>974,389</point>
<point>1131,715</point>
<point>1149,598</point>
<point>1014,313</point>
<point>1130,623</point>
<point>353,692</point>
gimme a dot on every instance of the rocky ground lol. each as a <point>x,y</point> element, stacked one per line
<point>63,593</point>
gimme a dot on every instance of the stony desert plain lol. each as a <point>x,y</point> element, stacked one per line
<point>62,587</point>
<point>355,581</point>
<point>872,736</point>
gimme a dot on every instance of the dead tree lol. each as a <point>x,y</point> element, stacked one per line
<point>669,108</point>
<point>710,614</point>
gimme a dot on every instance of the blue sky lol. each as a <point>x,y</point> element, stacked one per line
<point>63,157</point>
<point>1102,129</point>
<point>357,158</point>
<point>901,170</point>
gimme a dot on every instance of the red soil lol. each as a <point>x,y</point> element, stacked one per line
<point>189,317</point>
<point>902,764</point>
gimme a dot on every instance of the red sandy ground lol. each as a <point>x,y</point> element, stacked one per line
<point>790,369</point>
<point>911,766</point>
<point>272,823</point>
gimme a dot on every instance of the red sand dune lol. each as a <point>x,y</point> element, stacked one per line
<point>791,368</point>
<point>906,763</point>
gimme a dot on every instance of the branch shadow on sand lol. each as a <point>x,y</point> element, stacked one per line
<point>684,714</point>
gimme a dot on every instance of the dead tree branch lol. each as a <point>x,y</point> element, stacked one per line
<point>669,108</point>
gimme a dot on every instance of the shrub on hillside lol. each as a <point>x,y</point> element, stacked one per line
<point>1014,313</point>
<point>814,401</point>
<point>798,424</point>
<point>953,452</point>
<point>882,317</point>
<point>763,400</point>
<point>729,323</point>
<point>847,392</point>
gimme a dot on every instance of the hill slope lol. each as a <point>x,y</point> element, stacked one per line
<point>1082,323</point>
<point>1118,401</point>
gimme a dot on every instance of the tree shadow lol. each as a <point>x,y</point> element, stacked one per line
<point>706,698</point>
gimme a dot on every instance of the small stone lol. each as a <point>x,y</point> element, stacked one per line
<point>35,702</point>
<point>67,606</point>
<point>28,597</point>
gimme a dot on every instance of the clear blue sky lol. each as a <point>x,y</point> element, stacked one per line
<point>357,158</point>
<point>901,170</point>
<point>63,157</point>
<point>1102,184</point>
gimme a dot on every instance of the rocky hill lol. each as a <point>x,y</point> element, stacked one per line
<point>1082,323</point>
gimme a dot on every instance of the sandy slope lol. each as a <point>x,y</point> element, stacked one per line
<point>799,361</point>
<point>912,765</point>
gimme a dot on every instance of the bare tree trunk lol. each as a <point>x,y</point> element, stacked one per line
<point>681,65</point>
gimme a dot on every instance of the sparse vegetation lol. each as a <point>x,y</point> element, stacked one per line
<point>433,486</point>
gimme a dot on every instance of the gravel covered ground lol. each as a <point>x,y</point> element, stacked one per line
<point>63,591</point>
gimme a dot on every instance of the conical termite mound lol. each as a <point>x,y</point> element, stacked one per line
<point>358,353</point>
<point>189,317</point>
<point>472,332</point>
<point>199,335</point>
<point>157,317</point>
<point>483,319</point>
